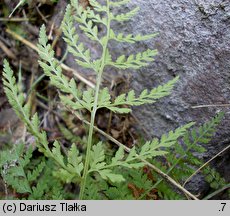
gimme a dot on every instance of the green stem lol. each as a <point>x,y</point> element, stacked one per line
<point>95,106</point>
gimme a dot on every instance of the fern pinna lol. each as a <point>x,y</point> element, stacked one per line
<point>74,167</point>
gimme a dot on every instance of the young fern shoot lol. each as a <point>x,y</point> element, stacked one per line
<point>73,168</point>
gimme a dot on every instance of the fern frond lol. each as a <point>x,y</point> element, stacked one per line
<point>182,161</point>
<point>86,101</point>
<point>27,156</point>
<point>57,152</point>
<point>71,38</point>
<point>97,156</point>
<point>38,191</point>
<point>33,123</point>
<point>136,183</point>
<point>15,98</point>
<point>32,176</point>
<point>74,160</point>
<point>96,17</point>
<point>125,16</point>
<point>54,71</point>
<point>72,168</point>
<point>168,193</point>
<point>194,138</point>
<point>134,61</point>
<point>87,26</point>
<point>202,135</point>
<point>213,177</point>
<point>54,188</point>
<point>130,99</point>
<point>148,150</point>
<point>130,38</point>
<point>118,191</point>
<point>97,6</point>
<point>20,185</point>
<point>139,179</point>
<point>75,105</point>
<point>17,101</point>
<point>94,189</point>
<point>187,160</point>
<point>14,170</point>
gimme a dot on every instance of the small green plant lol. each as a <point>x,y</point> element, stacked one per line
<point>184,160</point>
<point>30,179</point>
<point>180,164</point>
<point>93,163</point>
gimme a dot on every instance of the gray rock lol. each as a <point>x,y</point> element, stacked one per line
<point>192,44</point>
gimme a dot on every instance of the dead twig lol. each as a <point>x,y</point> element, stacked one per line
<point>211,105</point>
<point>8,52</point>
<point>15,19</point>
<point>41,15</point>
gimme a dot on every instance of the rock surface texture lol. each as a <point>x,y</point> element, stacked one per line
<point>193,42</point>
